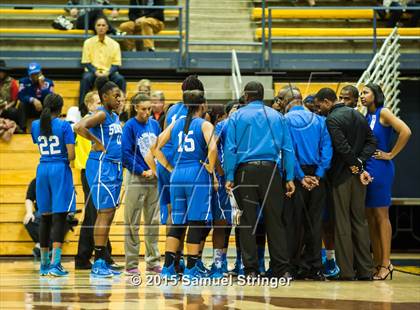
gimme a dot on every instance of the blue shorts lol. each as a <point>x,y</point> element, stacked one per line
<point>191,191</point>
<point>164,177</point>
<point>105,179</point>
<point>220,204</point>
<point>54,188</point>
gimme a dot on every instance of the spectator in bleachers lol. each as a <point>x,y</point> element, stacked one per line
<point>145,22</point>
<point>32,91</point>
<point>7,129</point>
<point>93,14</point>
<point>9,89</point>
<point>349,95</point>
<point>158,104</point>
<point>32,218</point>
<point>101,58</point>
<point>395,15</point>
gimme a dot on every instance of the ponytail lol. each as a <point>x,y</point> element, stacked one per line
<point>192,99</point>
<point>53,103</point>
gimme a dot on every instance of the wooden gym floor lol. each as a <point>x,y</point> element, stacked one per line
<point>22,288</point>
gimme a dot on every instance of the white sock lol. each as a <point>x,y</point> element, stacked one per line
<point>330,254</point>
<point>217,256</point>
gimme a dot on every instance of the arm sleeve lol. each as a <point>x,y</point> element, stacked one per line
<point>116,61</point>
<point>14,90</point>
<point>128,159</point>
<point>370,143</point>
<point>341,144</point>
<point>68,134</point>
<point>326,152</point>
<point>90,68</point>
<point>113,69</point>
<point>86,57</point>
<point>288,153</point>
<point>230,149</point>
<point>31,191</point>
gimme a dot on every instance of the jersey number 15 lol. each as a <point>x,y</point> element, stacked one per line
<point>188,145</point>
<point>51,150</point>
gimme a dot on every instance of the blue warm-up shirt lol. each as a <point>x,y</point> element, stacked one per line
<point>311,140</point>
<point>256,132</point>
<point>137,139</point>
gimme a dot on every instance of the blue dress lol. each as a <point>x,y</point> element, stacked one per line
<point>379,191</point>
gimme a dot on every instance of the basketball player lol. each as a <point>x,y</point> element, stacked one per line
<point>176,112</point>
<point>54,181</point>
<point>104,169</point>
<point>191,186</point>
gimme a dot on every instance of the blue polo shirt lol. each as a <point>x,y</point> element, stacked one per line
<point>256,132</point>
<point>311,140</point>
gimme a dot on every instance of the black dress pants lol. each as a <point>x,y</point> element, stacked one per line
<point>259,185</point>
<point>86,241</point>
<point>304,227</point>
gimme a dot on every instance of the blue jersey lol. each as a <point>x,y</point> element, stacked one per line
<point>109,133</point>
<point>53,148</point>
<point>176,112</point>
<point>189,148</point>
<point>220,131</point>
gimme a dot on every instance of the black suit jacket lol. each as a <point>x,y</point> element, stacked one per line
<point>353,141</point>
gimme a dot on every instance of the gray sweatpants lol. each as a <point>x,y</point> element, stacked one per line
<point>141,196</point>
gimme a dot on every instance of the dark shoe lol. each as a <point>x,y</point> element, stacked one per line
<point>316,276</point>
<point>82,265</point>
<point>151,49</point>
<point>367,278</point>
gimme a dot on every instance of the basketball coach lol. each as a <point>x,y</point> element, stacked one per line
<point>258,148</point>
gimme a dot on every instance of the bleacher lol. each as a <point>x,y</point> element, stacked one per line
<point>37,21</point>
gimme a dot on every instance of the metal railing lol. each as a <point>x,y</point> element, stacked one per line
<point>86,33</point>
<point>236,76</point>
<point>383,70</point>
<point>266,44</point>
<point>374,38</point>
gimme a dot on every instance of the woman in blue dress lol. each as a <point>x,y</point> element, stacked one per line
<point>378,197</point>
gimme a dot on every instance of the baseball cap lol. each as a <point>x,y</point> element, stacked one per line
<point>34,68</point>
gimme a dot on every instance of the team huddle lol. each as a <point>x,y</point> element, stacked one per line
<point>246,166</point>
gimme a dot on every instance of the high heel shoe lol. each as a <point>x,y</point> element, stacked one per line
<point>390,269</point>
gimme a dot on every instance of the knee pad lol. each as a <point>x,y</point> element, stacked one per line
<point>176,231</point>
<point>197,232</point>
<point>58,227</point>
<point>44,230</point>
